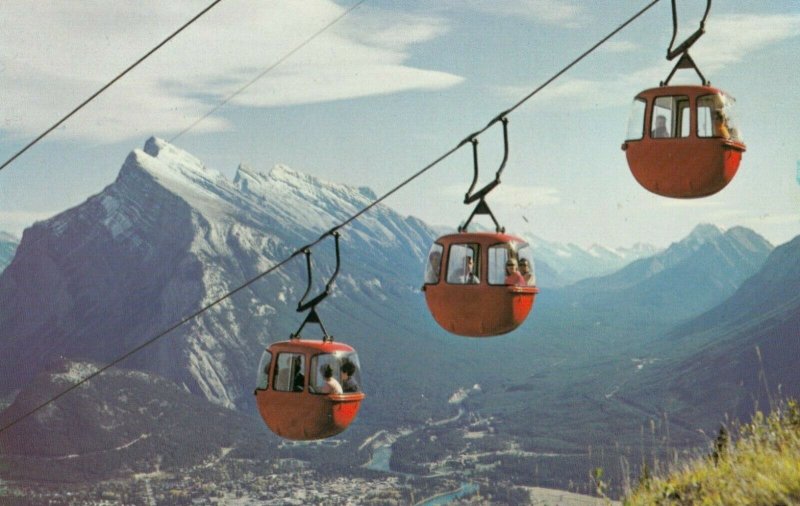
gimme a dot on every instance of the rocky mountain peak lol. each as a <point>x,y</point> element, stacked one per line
<point>249,179</point>
<point>174,169</point>
<point>703,233</point>
<point>747,238</point>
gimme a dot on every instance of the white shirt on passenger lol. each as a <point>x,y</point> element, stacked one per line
<point>331,386</point>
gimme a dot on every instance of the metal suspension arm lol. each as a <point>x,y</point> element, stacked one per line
<point>686,44</point>
<point>685,61</point>
<point>480,194</point>
<point>303,305</point>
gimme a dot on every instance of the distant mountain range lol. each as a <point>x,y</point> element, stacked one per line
<point>738,356</point>
<point>559,264</point>
<point>596,359</point>
<point>689,277</point>
<point>8,245</point>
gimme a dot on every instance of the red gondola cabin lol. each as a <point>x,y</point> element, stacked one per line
<point>682,141</point>
<point>480,284</point>
<point>293,396</point>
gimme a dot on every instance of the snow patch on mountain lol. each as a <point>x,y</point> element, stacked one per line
<point>570,262</point>
<point>76,371</point>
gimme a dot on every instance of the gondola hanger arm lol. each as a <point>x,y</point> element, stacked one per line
<point>480,196</point>
<point>691,39</point>
<point>470,197</point>
<point>685,61</point>
<point>311,305</point>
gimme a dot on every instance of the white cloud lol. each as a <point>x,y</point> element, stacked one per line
<point>729,39</point>
<point>56,55</point>
<point>555,12</point>
<point>583,94</point>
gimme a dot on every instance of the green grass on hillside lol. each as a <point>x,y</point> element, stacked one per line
<point>761,467</point>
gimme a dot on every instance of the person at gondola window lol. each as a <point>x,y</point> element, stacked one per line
<point>660,131</point>
<point>262,379</point>
<point>525,270</point>
<point>298,383</point>
<point>349,384</point>
<point>434,266</point>
<point>469,277</point>
<point>462,264</point>
<point>331,385</point>
<point>513,277</point>
<point>721,124</point>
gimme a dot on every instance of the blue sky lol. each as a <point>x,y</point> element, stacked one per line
<point>389,89</point>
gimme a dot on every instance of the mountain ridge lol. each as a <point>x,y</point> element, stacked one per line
<point>735,357</point>
<point>689,277</point>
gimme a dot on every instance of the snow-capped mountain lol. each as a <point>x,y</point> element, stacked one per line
<point>732,256</point>
<point>569,263</point>
<point>8,245</point>
<point>168,237</point>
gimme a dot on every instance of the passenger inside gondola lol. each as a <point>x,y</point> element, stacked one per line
<point>660,131</point>
<point>720,125</point>
<point>331,384</point>
<point>513,277</point>
<point>462,268</point>
<point>527,273</point>
<point>714,117</point>
<point>298,381</point>
<point>434,265</point>
<point>349,383</point>
<point>326,368</point>
<point>469,276</point>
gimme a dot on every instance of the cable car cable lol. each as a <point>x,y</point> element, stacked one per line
<point>108,85</point>
<point>301,250</point>
<point>267,70</point>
